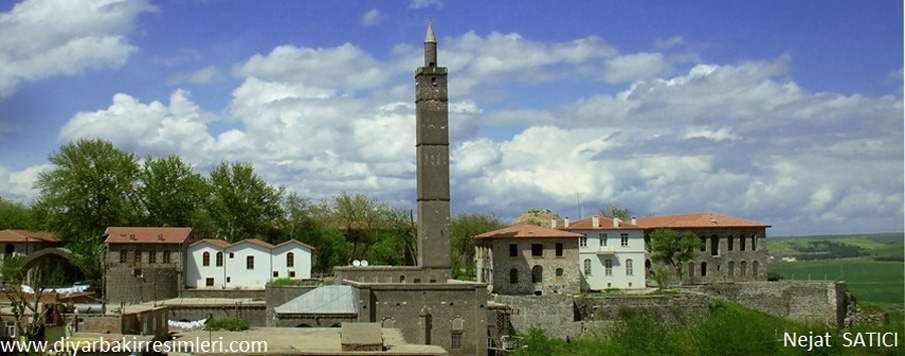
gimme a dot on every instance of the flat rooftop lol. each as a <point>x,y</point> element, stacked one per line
<point>307,341</point>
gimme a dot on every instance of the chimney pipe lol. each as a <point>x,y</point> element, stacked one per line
<point>595,221</point>
<point>615,222</point>
<point>565,222</point>
<point>553,223</point>
<point>634,221</point>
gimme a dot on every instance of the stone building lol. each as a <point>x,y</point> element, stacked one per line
<point>24,242</point>
<point>145,263</point>
<point>611,252</point>
<point>733,249</point>
<point>528,259</point>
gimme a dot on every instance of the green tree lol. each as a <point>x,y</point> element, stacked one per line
<point>243,205</point>
<point>673,248</point>
<point>462,245</point>
<point>15,215</point>
<point>91,186</point>
<point>360,219</point>
<point>615,211</point>
<point>11,269</point>
<point>172,194</point>
<point>307,222</point>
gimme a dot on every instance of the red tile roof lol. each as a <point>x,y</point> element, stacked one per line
<point>255,242</point>
<point>605,224</point>
<point>528,232</point>
<point>12,235</point>
<point>696,220</point>
<point>216,242</point>
<point>147,235</point>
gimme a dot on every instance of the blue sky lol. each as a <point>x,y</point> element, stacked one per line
<point>783,112</point>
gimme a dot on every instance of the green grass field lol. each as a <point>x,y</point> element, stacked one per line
<point>870,281</point>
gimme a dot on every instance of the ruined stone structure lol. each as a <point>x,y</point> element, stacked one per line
<point>734,249</point>
<point>145,263</point>
<point>527,259</point>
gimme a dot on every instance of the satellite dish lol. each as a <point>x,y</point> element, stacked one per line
<point>364,263</point>
<point>356,263</point>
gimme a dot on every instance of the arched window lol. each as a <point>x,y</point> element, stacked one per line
<point>741,243</point>
<point>388,322</point>
<point>401,278</point>
<point>537,274</point>
<point>703,269</point>
<point>513,276</point>
<point>730,243</point>
<point>587,267</point>
<point>219,259</point>
<point>714,245</point>
<point>731,268</point>
<point>754,242</point>
<point>457,328</point>
<point>290,259</point>
<point>744,268</point>
<point>755,268</point>
<point>608,267</point>
<point>206,259</point>
<point>629,269</point>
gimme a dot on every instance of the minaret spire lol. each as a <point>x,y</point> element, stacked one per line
<point>430,46</point>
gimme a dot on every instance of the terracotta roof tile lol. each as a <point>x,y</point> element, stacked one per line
<point>147,235</point>
<point>12,235</point>
<point>528,232</point>
<point>696,220</point>
<point>216,242</point>
<point>604,223</point>
<point>255,242</point>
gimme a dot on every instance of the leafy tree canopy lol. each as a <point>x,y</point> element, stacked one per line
<point>673,248</point>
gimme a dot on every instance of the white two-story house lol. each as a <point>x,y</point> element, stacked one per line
<point>611,253</point>
<point>250,264</point>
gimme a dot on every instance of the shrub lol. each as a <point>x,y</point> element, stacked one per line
<point>226,324</point>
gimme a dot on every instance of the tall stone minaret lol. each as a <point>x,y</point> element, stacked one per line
<point>432,147</point>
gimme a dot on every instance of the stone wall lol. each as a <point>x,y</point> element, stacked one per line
<point>139,285</point>
<point>798,300</point>
<point>503,267</point>
<point>384,274</point>
<point>720,264</point>
<point>223,293</point>
<point>681,308</point>
<point>553,313</point>
<point>429,313</point>
<point>255,313</point>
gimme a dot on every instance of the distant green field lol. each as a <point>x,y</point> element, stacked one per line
<point>879,244</point>
<point>869,280</point>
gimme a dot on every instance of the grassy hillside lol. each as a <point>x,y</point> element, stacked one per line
<point>869,280</point>
<point>885,246</point>
<point>730,330</point>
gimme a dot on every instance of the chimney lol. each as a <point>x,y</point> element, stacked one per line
<point>616,222</point>
<point>634,221</point>
<point>553,223</point>
<point>159,237</point>
<point>565,222</point>
<point>131,237</point>
<point>596,222</point>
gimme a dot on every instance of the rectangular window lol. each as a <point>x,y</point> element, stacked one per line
<point>166,257</point>
<point>559,250</point>
<point>137,256</point>
<point>219,259</point>
<point>152,257</point>
<point>291,274</point>
<point>249,262</point>
<point>537,250</point>
<point>602,239</point>
<point>276,274</point>
<point>624,239</point>
<point>583,242</point>
<point>456,340</point>
<point>209,282</point>
<point>123,256</point>
<point>513,250</point>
